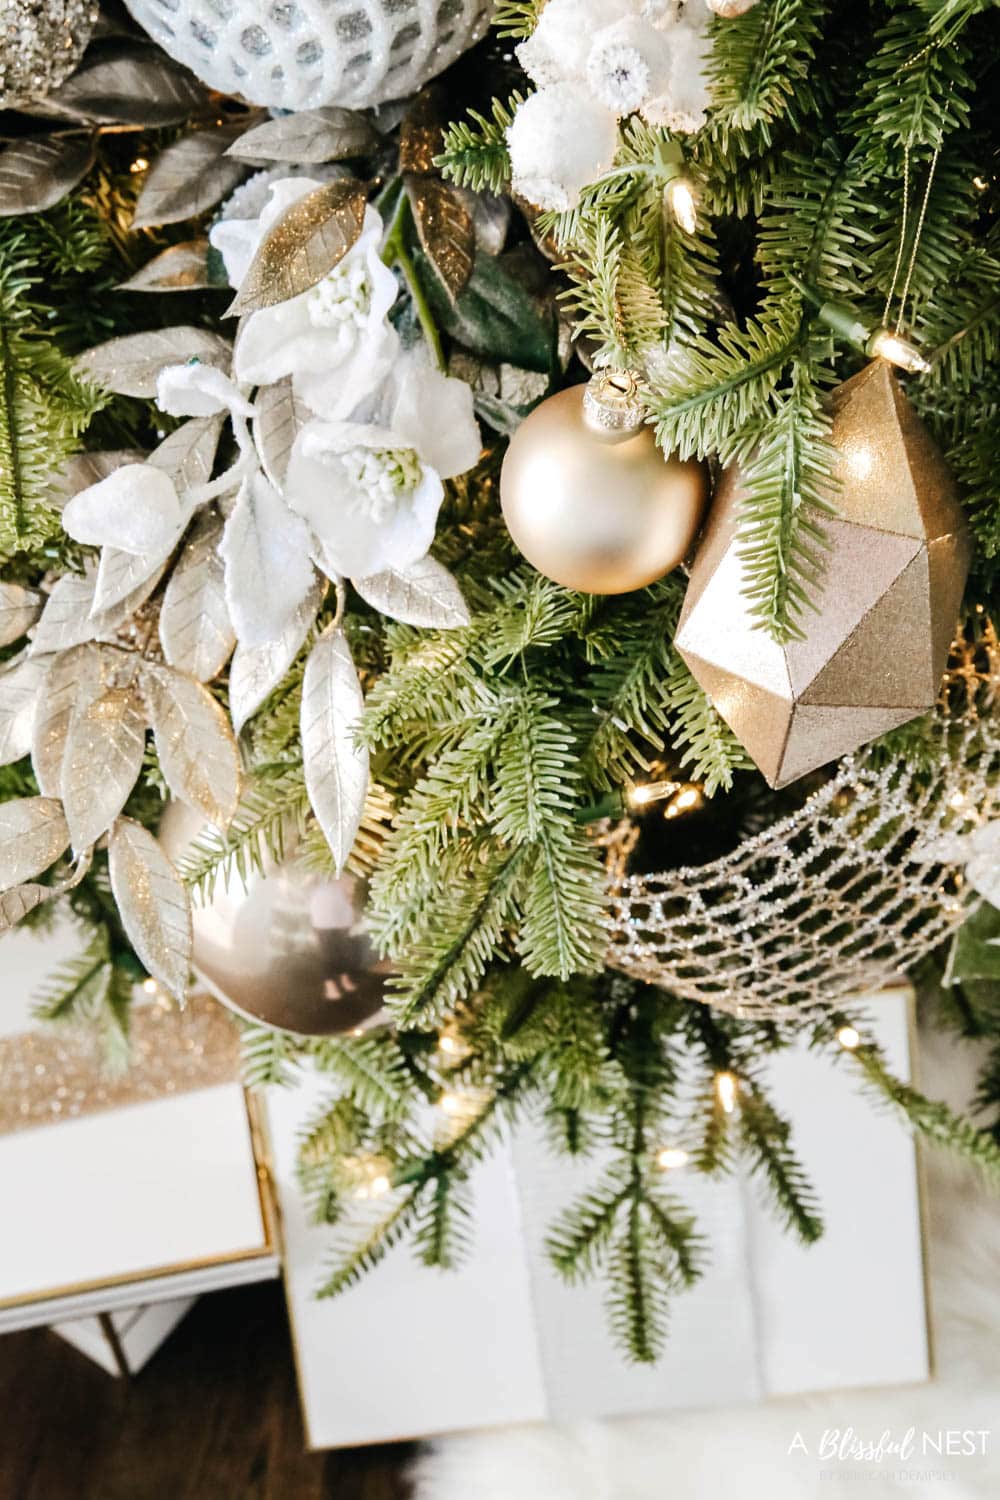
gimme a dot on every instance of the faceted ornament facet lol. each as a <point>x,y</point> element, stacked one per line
<point>888,604</point>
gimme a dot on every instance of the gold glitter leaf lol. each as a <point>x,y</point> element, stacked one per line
<point>129,366</point>
<point>182,268</point>
<point>19,608</point>
<point>195,745</point>
<point>280,414</point>
<point>153,904</point>
<point>195,629</point>
<point>255,671</point>
<point>421,136</point>
<point>311,135</point>
<point>309,239</point>
<point>37,171</point>
<point>188,177</point>
<point>20,686</point>
<point>424,594</point>
<point>446,231</point>
<point>74,679</point>
<point>65,620</point>
<point>336,766</point>
<point>17,903</point>
<point>102,761</point>
<point>33,834</point>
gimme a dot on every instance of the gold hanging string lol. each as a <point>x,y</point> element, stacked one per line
<point>916,237</point>
<point>902,235</point>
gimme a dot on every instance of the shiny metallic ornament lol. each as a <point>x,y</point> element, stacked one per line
<point>285,948</point>
<point>895,569</point>
<point>41,42</point>
<point>589,498</point>
<point>304,54</point>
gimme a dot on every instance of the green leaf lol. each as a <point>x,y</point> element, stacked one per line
<point>495,317</point>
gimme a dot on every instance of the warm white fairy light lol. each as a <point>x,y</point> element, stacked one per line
<point>680,197</point>
<point>150,986</point>
<point>898,351</point>
<point>672,1158</point>
<point>447,1043</point>
<point>651,791</point>
<point>370,1176</point>
<point>849,1038</point>
<point>725,1091</point>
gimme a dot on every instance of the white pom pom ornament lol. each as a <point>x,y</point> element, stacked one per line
<point>560,139</point>
<point>302,54</point>
<point>628,64</point>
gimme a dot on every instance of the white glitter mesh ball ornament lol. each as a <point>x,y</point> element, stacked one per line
<point>303,54</point>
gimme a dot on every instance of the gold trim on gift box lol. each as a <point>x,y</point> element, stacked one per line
<point>54,1077</point>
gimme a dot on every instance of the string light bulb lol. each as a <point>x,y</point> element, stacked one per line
<point>681,201</point>
<point>150,986</point>
<point>672,1158</point>
<point>725,1091</point>
<point>849,1038</point>
<point>884,344</point>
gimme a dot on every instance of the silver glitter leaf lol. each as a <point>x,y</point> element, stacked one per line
<point>424,594</point>
<point>188,454</point>
<point>19,609</point>
<point>121,575</point>
<point>33,834</point>
<point>153,904</point>
<point>108,623</point>
<point>182,268</point>
<point>74,679</point>
<point>256,670</point>
<point>65,620</point>
<point>279,415</point>
<point>188,177</point>
<point>311,135</point>
<point>195,629</point>
<point>131,84</point>
<point>85,469</point>
<point>20,686</point>
<point>36,172</point>
<point>490,214</point>
<point>336,766</point>
<point>445,229</point>
<point>101,763</point>
<point>194,743</point>
<point>130,365</point>
<point>16,904</point>
<point>309,239</point>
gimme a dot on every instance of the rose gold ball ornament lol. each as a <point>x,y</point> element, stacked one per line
<point>285,948</point>
<point>589,498</point>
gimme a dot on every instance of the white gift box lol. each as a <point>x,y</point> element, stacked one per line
<point>122,1342</point>
<point>410,1352</point>
<point>151,1201</point>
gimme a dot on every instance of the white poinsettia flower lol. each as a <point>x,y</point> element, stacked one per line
<point>136,509</point>
<point>334,339</point>
<point>371,487</point>
<point>199,390</point>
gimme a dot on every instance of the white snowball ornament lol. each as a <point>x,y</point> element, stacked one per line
<point>628,64</point>
<point>558,48</point>
<point>303,54</point>
<point>561,139</point>
<point>730,8</point>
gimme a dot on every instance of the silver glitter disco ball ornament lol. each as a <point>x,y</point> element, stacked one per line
<point>302,54</point>
<point>285,948</point>
<point>41,42</point>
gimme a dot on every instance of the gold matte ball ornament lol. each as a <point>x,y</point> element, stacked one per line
<point>589,498</point>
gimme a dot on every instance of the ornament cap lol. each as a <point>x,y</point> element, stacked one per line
<point>611,405</point>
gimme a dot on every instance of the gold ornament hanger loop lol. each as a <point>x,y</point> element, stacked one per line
<point>611,404</point>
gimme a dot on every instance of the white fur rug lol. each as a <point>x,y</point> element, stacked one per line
<point>744,1451</point>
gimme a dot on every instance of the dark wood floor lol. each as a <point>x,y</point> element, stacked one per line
<point>214,1416</point>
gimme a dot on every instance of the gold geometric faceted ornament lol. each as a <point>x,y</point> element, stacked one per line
<point>894,572</point>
